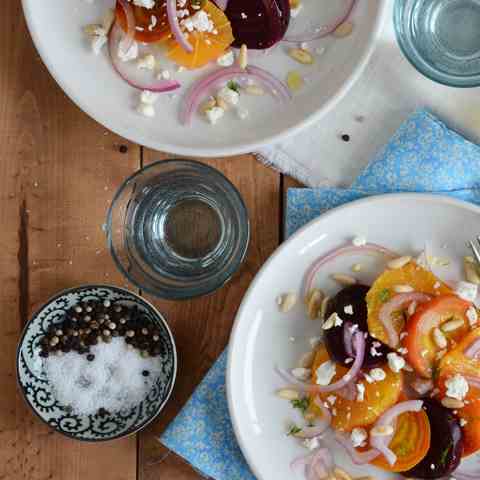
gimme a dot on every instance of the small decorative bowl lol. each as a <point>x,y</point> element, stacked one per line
<point>39,394</point>
<point>440,39</point>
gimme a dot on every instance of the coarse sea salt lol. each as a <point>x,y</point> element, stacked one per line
<point>113,380</point>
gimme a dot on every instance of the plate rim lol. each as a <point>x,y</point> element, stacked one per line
<point>360,203</point>
<point>237,149</point>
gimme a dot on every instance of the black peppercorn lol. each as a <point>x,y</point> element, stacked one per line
<point>145,373</point>
<point>90,357</point>
<point>346,137</point>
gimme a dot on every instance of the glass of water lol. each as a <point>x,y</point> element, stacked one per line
<point>441,39</point>
<point>178,229</point>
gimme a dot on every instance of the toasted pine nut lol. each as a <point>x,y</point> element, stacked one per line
<point>381,431</point>
<point>243,57</point>
<point>254,90</point>
<point>471,273</point>
<point>208,105</point>
<point>357,267</point>
<point>306,360</point>
<point>403,289</point>
<point>439,338</point>
<point>314,303</point>
<point>323,307</point>
<point>411,308</point>
<point>93,30</point>
<point>468,259</point>
<point>453,403</point>
<point>343,30</point>
<point>286,302</point>
<point>222,103</point>
<point>399,262</point>
<point>451,325</point>
<point>301,55</point>
<point>343,279</point>
<point>341,474</point>
<point>288,394</point>
<point>310,294</point>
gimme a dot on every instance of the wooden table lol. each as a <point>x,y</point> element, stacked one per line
<point>58,172</point>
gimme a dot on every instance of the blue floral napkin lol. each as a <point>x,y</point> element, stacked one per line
<point>423,156</point>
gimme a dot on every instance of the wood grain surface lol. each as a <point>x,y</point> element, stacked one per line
<point>58,172</point>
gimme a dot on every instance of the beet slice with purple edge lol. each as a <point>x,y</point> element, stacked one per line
<point>258,24</point>
<point>352,298</point>
<point>445,452</point>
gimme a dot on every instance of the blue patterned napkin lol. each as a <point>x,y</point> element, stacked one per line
<point>423,156</point>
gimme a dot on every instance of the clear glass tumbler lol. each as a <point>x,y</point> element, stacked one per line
<point>178,229</point>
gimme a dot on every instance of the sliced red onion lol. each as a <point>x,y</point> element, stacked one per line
<point>199,89</point>
<point>322,426</point>
<point>318,463</point>
<point>398,302</point>
<point>129,37</point>
<point>349,377</point>
<point>130,73</point>
<point>222,4</point>
<point>459,475</point>
<point>473,350</point>
<point>368,249</point>
<point>348,392</point>
<point>175,26</point>
<point>347,338</point>
<point>387,418</point>
<point>323,31</point>
<point>472,381</point>
<point>358,458</point>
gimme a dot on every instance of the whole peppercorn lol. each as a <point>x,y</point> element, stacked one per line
<point>90,357</point>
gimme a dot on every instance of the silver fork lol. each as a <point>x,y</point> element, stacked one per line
<point>475,249</point>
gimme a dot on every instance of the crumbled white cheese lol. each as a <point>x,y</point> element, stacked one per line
<point>146,62</point>
<point>242,113</point>
<point>144,3</point>
<point>373,350</point>
<point>402,350</point>
<point>325,372</point>
<point>378,374</point>
<point>199,22</point>
<point>164,75</point>
<point>472,316</point>
<point>301,373</point>
<point>97,42</point>
<point>395,362</point>
<point>463,422</point>
<point>332,321</point>
<point>358,437</point>
<point>214,114</point>
<point>348,360</point>
<point>457,387</point>
<point>368,378</point>
<point>295,11</point>
<point>229,96</point>
<point>348,309</point>
<point>148,97</point>
<point>466,290</point>
<point>360,392</point>
<point>146,110</point>
<point>359,241</point>
<point>332,399</point>
<point>227,59</point>
<point>130,54</point>
<point>315,341</point>
<point>311,443</point>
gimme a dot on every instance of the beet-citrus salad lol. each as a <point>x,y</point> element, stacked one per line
<point>394,377</point>
<point>151,42</point>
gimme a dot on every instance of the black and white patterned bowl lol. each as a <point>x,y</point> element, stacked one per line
<point>39,394</point>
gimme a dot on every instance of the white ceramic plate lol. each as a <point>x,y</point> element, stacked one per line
<point>90,81</point>
<point>261,337</point>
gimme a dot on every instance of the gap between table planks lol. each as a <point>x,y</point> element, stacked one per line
<point>58,172</point>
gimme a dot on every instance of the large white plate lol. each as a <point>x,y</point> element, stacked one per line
<point>56,29</point>
<point>261,338</point>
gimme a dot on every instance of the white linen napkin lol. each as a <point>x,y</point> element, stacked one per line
<point>389,90</point>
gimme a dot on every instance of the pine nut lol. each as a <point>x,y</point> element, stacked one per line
<point>301,55</point>
<point>399,262</point>
<point>295,81</point>
<point>381,431</point>
<point>403,289</point>
<point>343,279</point>
<point>306,360</point>
<point>343,30</point>
<point>286,302</point>
<point>243,57</point>
<point>288,394</point>
<point>341,474</point>
<point>439,338</point>
<point>451,325</point>
<point>208,105</point>
<point>411,308</point>
<point>254,90</point>
<point>357,267</point>
<point>471,272</point>
<point>323,307</point>
<point>222,103</point>
<point>453,403</point>
<point>468,259</point>
<point>314,303</point>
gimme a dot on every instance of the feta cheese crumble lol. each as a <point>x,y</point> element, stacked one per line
<point>127,55</point>
<point>301,373</point>
<point>457,387</point>
<point>360,392</point>
<point>144,3</point>
<point>467,291</point>
<point>472,316</point>
<point>358,437</point>
<point>378,374</point>
<point>146,62</point>
<point>311,443</point>
<point>395,362</point>
<point>359,241</point>
<point>214,114</point>
<point>229,96</point>
<point>325,372</point>
<point>227,59</point>
<point>348,309</point>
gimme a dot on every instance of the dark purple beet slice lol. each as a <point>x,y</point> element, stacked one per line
<point>446,445</point>
<point>258,24</point>
<point>355,296</point>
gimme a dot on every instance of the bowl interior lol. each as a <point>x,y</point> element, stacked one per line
<point>92,83</point>
<point>39,393</point>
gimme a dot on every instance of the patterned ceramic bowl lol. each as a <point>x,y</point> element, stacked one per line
<point>39,394</point>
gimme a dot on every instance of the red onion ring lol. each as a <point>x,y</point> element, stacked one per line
<point>195,94</point>
<point>126,71</point>
<point>358,458</point>
<point>387,418</point>
<point>323,31</point>
<point>129,37</point>
<point>398,302</point>
<point>175,26</point>
<point>473,350</point>
<point>458,475</point>
<point>349,377</point>
<point>347,338</point>
<point>311,461</point>
<point>367,249</point>
<point>322,426</point>
<point>348,392</point>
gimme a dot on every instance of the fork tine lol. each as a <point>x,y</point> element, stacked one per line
<point>475,251</point>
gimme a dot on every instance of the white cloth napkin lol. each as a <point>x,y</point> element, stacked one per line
<point>389,90</point>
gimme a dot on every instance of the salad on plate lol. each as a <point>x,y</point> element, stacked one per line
<point>394,376</point>
<point>151,42</point>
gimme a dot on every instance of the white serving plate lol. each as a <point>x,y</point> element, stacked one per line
<point>261,337</point>
<point>90,81</point>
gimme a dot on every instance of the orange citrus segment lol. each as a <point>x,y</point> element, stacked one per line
<point>207,46</point>
<point>378,397</point>
<point>411,274</point>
